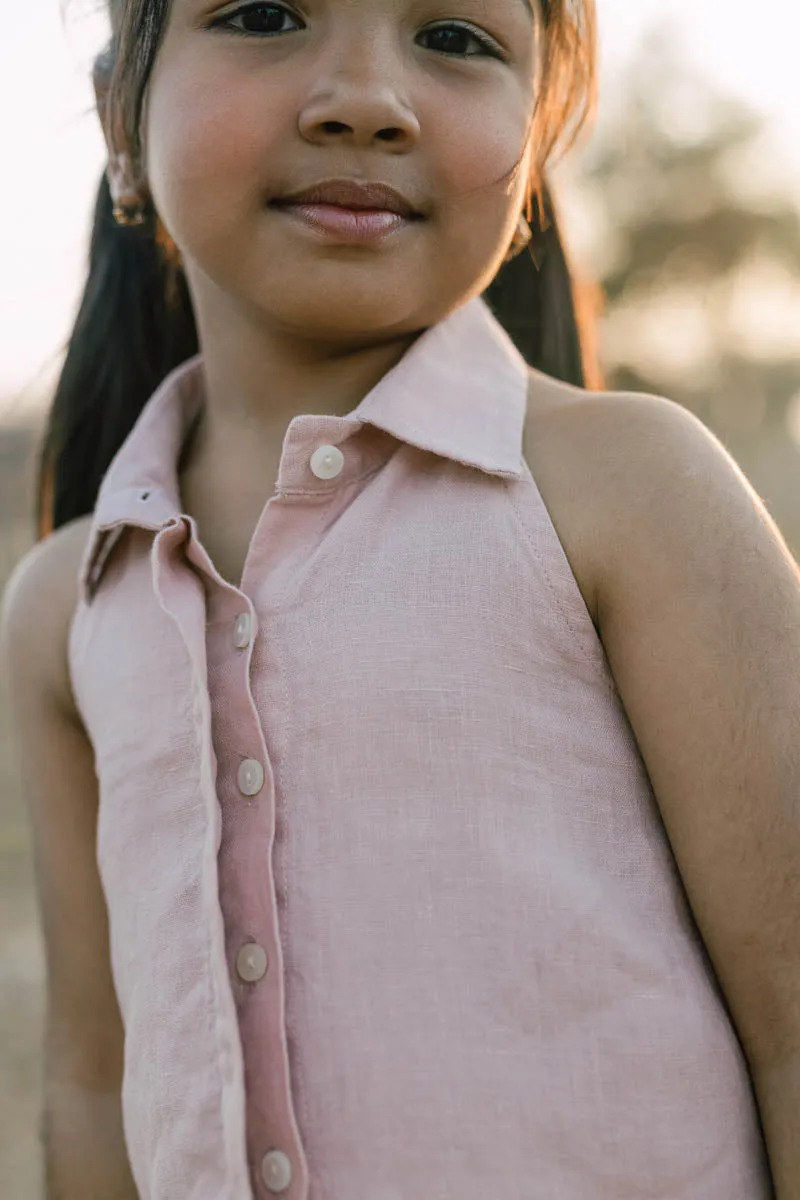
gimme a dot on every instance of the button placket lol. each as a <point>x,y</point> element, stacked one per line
<point>278,1162</point>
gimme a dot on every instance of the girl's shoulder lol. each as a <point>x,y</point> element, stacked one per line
<point>38,604</point>
<point>596,456</point>
<point>645,498</point>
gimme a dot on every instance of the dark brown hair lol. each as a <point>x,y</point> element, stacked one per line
<point>135,322</point>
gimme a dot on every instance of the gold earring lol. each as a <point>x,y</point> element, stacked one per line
<point>522,235</point>
<point>129,214</point>
<point>128,202</point>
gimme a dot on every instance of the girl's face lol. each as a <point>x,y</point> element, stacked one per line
<point>249,102</point>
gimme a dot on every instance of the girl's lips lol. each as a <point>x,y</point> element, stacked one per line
<point>346,224</point>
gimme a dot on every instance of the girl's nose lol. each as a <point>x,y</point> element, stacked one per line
<point>358,109</point>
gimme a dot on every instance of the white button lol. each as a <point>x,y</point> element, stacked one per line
<point>251,777</point>
<point>276,1171</point>
<point>251,962</point>
<point>241,631</point>
<point>327,462</point>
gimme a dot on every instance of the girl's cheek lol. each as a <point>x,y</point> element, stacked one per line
<point>221,130</point>
<point>474,136</point>
<point>475,151</point>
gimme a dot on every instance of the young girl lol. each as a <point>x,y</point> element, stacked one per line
<point>411,736</point>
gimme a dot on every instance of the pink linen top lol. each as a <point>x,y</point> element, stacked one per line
<point>393,913</point>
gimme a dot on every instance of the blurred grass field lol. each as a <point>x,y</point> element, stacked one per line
<point>21,953</point>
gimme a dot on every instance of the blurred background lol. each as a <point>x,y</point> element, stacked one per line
<point>683,205</point>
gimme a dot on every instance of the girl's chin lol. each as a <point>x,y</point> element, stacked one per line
<point>356,330</point>
<point>342,308</point>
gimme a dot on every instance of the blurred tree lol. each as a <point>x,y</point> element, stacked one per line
<point>697,250</point>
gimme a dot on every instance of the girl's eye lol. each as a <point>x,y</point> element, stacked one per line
<point>259,20</point>
<point>455,38</point>
<point>460,40</point>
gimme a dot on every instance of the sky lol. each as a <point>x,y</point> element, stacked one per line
<point>52,149</point>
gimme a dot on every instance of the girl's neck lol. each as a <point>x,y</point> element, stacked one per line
<point>255,384</point>
<point>257,377</point>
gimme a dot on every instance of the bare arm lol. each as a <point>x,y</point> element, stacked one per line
<point>699,608</point>
<point>778,1091</point>
<point>85,1154</point>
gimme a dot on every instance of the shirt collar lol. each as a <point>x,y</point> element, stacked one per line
<point>460,391</point>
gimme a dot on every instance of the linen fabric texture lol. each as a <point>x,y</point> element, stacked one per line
<point>484,981</point>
